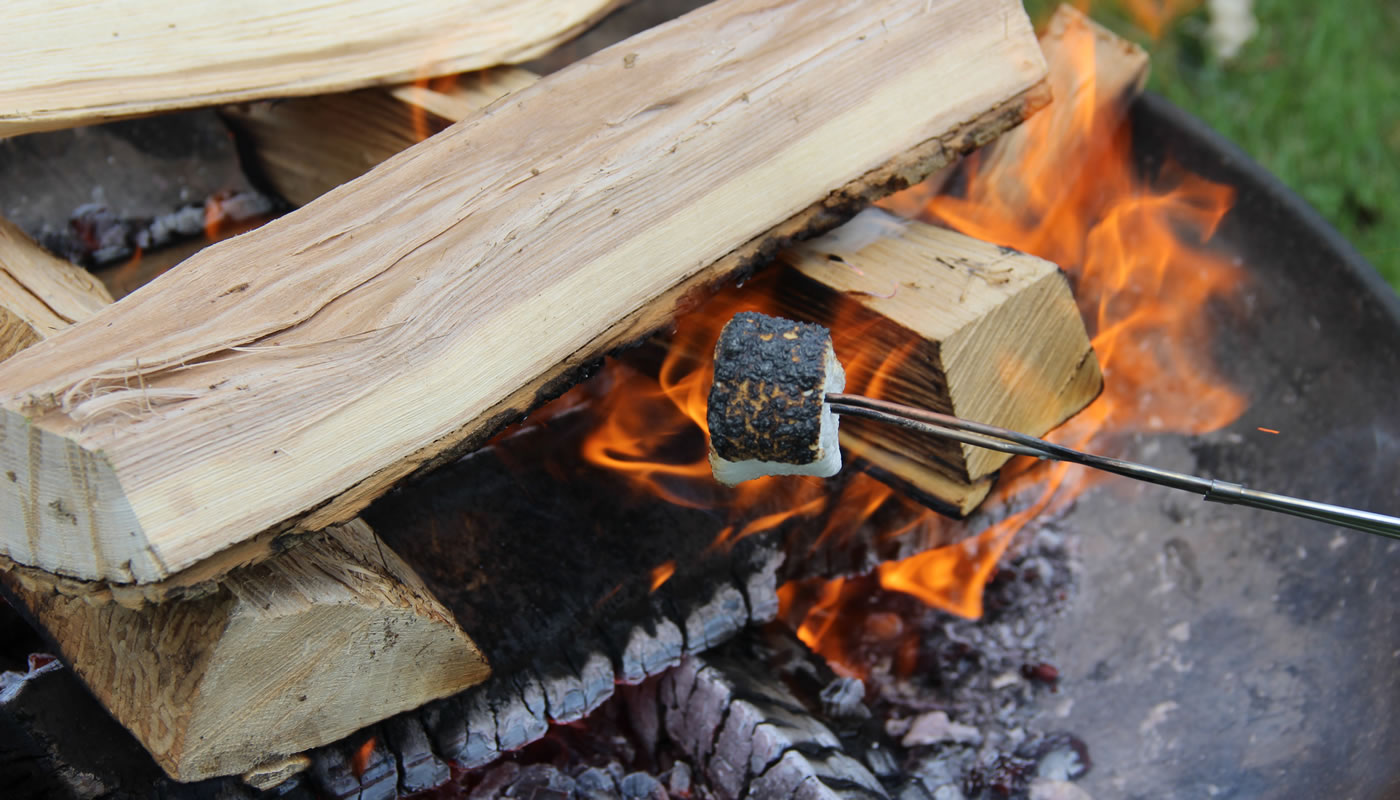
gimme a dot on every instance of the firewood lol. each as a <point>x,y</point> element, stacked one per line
<point>278,382</point>
<point>958,325</point>
<point>341,606</point>
<point>287,655</point>
<point>39,293</point>
<point>73,63</point>
<point>307,146</point>
<point>1120,73</point>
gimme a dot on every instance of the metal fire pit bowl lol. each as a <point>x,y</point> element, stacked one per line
<point>1230,653</point>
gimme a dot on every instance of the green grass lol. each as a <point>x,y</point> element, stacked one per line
<point>1314,97</point>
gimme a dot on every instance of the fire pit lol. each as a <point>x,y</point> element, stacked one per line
<point>1192,650</point>
<point>1234,652</point>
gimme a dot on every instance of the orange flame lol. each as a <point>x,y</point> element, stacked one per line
<point>662,573</point>
<point>214,217</point>
<point>220,224</point>
<point>1155,16</point>
<point>1063,188</point>
<point>652,430</point>
<point>423,127</point>
<point>360,761</point>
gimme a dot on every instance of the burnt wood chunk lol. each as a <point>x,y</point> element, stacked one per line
<point>730,712</point>
<point>419,767</point>
<point>767,408</point>
<point>359,768</point>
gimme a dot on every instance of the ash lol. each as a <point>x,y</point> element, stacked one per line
<point>597,759</point>
<point>970,699</point>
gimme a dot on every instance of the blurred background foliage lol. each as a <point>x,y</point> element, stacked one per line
<point>1314,96</point>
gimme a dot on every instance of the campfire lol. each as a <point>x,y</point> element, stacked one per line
<point>458,533</point>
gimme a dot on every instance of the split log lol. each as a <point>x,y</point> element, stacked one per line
<point>40,294</point>
<point>932,318</point>
<point>305,147</point>
<point>70,63</point>
<point>401,319</point>
<point>289,654</point>
<point>1016,356</point>
<point>281,657</point>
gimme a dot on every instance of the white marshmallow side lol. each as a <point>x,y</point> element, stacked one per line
<point>828,461</point>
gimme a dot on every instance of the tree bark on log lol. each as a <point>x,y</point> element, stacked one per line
<point>69,63</point>
<point>447,269</point>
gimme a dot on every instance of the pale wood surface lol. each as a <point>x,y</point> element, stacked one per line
<point>70,62</point>
<point>308,146</point>
<point>966,328</point>
<point>40,294</point>
<point>284,378</point>
<point>290,654</point>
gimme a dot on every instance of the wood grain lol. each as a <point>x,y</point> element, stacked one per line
<point>959,326</point>
<point>278,658</point>
<point>287,655</point>
<point>281,380</point>
<point>65,63</point>
<point>40,294</point>
<point>308,146</point>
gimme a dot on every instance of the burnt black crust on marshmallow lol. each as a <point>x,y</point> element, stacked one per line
<point>770,379</point>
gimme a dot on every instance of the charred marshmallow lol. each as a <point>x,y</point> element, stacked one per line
<point>768,413</point>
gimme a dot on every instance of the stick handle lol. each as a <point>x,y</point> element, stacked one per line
<point>1368,521</point>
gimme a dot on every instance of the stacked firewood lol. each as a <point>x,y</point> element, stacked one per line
<point>187,468</point>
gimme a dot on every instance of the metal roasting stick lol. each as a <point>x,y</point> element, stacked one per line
<point>993,437</point>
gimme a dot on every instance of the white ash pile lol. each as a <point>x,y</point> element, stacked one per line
<point>977,714</point>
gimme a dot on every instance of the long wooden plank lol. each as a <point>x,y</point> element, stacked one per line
<point>71,62</point>
<point>279,381</point>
